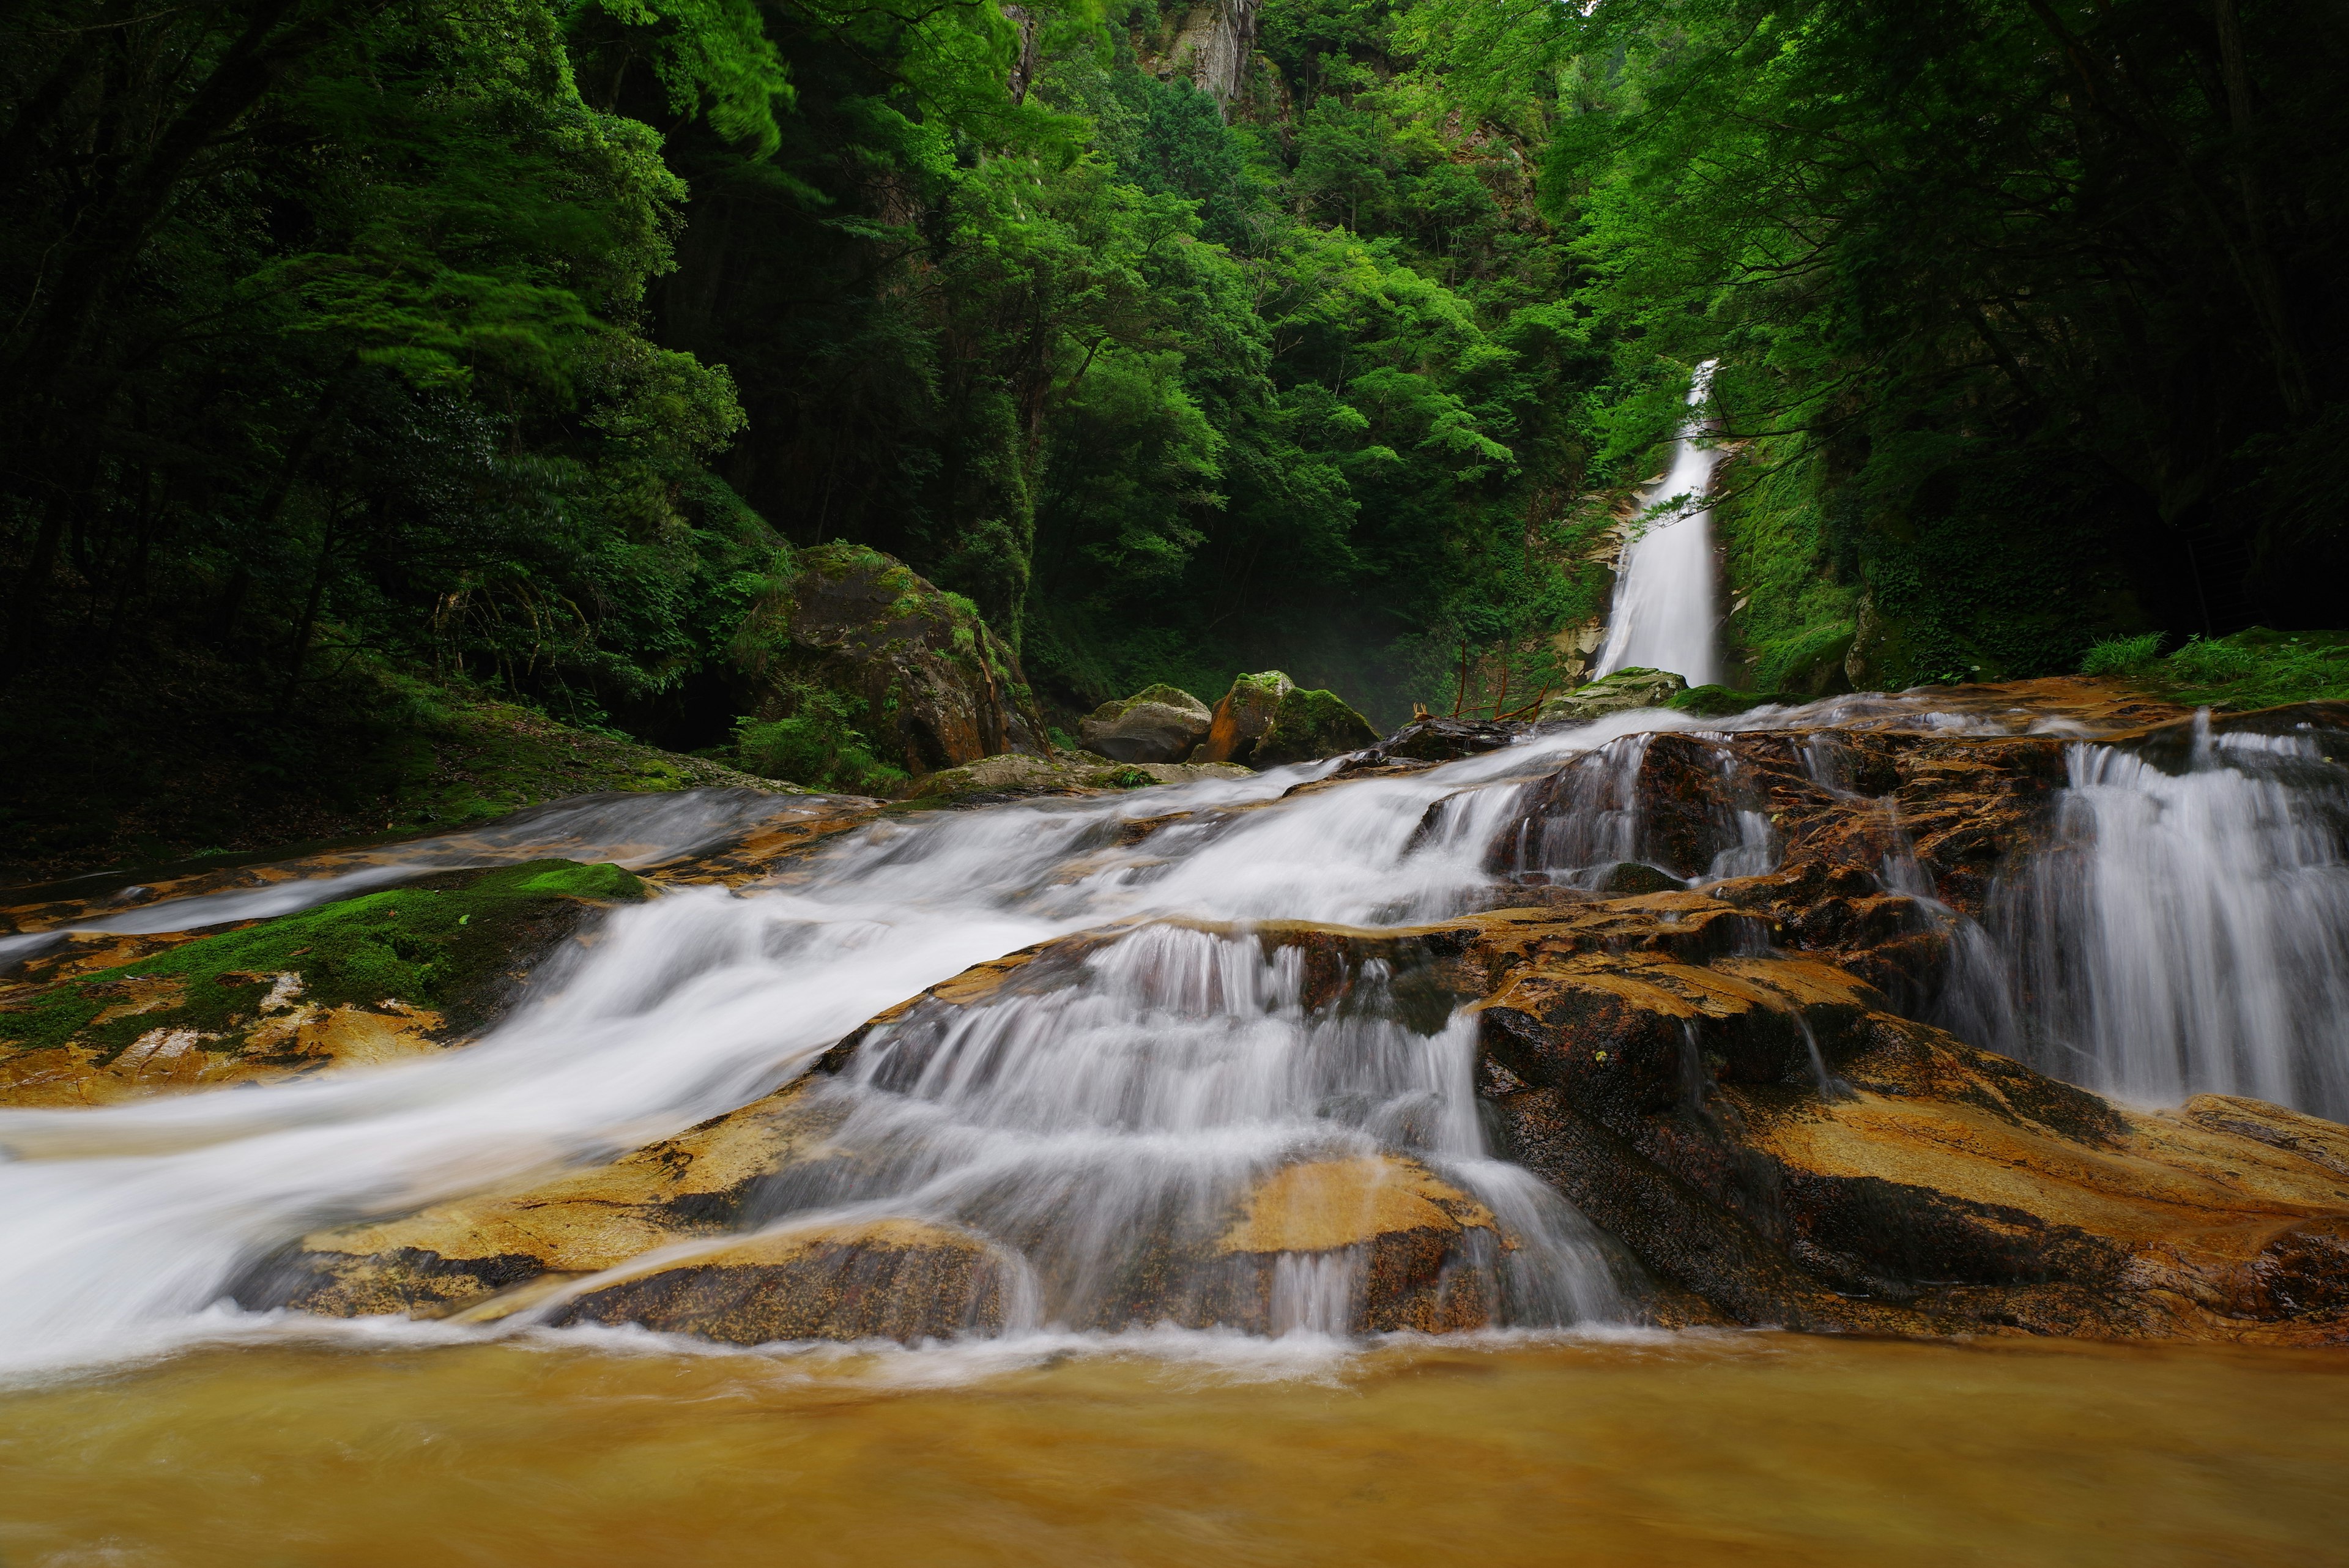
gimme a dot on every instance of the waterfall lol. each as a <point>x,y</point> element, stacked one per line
<point>1664,615</point>
<point>2188,933</point>
<point>1172,1072</point>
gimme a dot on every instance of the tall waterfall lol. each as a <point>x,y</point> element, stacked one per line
<point>1665,615</point>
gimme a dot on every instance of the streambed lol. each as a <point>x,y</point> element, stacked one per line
<point>1746,1448</point>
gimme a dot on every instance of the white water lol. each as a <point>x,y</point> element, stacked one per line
<point>2189,932</point>
<point>120,1227</point>
<point>1665,615</point>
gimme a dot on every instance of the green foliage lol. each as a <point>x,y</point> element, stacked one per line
<point>2121,655</point>
<point>2203,662</point>
<point>815,744</point>
<point>431,946</point>
<point>2257,667</point>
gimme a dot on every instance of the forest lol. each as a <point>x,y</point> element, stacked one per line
<point>370,358</point>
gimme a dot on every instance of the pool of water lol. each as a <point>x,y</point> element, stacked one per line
<point>1749,1450</point>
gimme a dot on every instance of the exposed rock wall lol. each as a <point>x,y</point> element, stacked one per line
<point>1212,47</point>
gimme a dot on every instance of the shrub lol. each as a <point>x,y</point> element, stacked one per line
<point>815,746</point>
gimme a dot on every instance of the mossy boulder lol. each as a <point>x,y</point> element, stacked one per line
<point>1080,772</point>
<point>1308,725</point>
<point>391,974</point>
<point>1156,725</point>
<point>1719,702</point>
<point>926,683</point>
<point>1243,716</point>
<point>1624,692</point>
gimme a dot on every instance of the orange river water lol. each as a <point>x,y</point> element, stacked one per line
<point>1698,1450</point>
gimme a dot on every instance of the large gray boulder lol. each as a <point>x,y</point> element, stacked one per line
<point>1156,725</point>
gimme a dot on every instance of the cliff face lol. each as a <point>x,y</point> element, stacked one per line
<point>1212,47</point>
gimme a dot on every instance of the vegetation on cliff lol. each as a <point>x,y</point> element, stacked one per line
<point>522,347</point>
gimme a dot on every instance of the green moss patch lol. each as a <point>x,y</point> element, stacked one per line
<point>449,943</point>
<point>1310,724</point>
<point>1719,702</point>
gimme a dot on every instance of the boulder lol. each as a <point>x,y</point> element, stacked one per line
<point>1243,716</point>
<point>1309,725</point>
<point>1624,692</point>
<point>1078,773</point>
<point>1434,739</point>
<point>1156,725</point>
<point>1411,1231</point>
<point>925,681</point>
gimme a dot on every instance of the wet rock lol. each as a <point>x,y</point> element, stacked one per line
<point>1415,1237</point>
<point>878,1279</point>
<point>931,685</point>
<point>467,1254</point>
<point>1243,716</point>
<point>1309,725</point>
<point>1432,739</point>
<point>1156,725</point>
<point>1621,692</point>
<point>362,982</point>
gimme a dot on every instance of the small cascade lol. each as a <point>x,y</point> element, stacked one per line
<point>1665,615</point>
<point>2188,933</point>
<point>1108,1124</point>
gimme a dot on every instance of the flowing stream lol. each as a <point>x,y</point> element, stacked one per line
<point>1178,1067</point>
<point>1665,615</point>
<point>2186,930</point>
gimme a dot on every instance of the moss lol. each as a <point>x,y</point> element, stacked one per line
<point>1310,724</point>
<point>1719,701</point>
<point>447,943</point>
<point>1271,682</point>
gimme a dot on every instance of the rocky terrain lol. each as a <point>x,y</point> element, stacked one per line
<point>1734,1085</point>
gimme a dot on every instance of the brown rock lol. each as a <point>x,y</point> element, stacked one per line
<point>879,1279</point>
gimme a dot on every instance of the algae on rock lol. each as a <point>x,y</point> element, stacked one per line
<point>1157,724</point>
<point>392,973</point>
<point>1624,692</point>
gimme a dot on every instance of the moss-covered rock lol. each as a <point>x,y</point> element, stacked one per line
<point>1157,724</point>
<point>1078,773</point>
<point>390,974</point>
<point>1719,702</point>
<point>924,683</point>
<point>1243,716</point>
<point>1624,692</point>
<point>1308,725</point>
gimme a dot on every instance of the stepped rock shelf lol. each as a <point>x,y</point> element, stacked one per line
<point>1746,1080</point>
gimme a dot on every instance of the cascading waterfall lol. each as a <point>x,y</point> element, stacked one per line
<point>1664,615</point>
<point>1120,1118</point>
<point>122,1225</point>
<point>2188,933</point>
